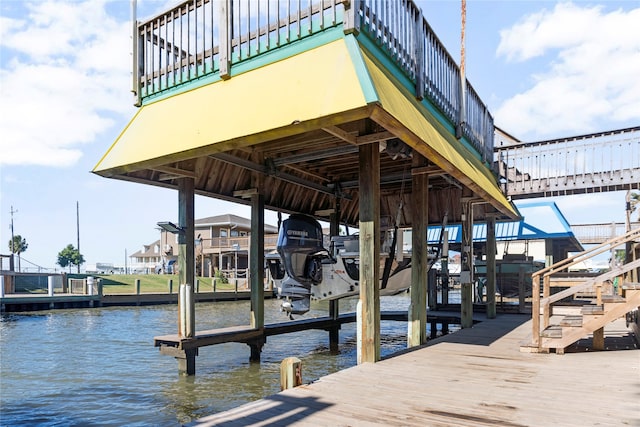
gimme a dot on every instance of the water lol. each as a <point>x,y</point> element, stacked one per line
<point>98,366</point>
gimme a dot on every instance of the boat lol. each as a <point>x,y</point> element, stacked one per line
<point>304,270</point>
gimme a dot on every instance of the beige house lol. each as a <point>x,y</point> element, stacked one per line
<point>221,243</point>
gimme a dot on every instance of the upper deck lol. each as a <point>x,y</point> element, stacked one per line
<point>290,90</point>
<point>200,41</point>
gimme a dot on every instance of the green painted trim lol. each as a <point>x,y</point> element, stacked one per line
<point>366,83</point>
<point>379,56</point>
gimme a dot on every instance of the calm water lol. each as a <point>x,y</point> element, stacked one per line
<point>99,366</point>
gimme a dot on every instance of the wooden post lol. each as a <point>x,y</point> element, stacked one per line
<point>137,284</point>
<point>444,272</point>
<point>170,284</point>
<point>187,361</point>
<point>256,261</point>
<point>368,309</point>
<point>521,289</point>
<point>334,331</point>
<point>225,34</point>
<point>548,252</point>
<point>417,325</point>
<point>535,309</point>
<point>491,267</point>
<point>598,339</point>
<point>466,272</point>
<point>290,373</point>
<point>546,292</point>
<point>186,258</point>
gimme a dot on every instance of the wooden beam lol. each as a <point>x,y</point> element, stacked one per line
<point>417,325</point>
<point>374,137</point>
<point>245,194</point>
<point>368,308</point>
<point>342,134</point>
<point>427,170</point>
<point>175,172</point>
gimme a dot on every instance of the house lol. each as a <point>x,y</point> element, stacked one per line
<point>221,244</point>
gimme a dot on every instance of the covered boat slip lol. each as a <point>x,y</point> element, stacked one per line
<point>333,125</point>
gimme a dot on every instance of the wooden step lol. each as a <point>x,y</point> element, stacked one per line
<point>631,286</point>
<point>552,331</point>
<point>572,321</point>
<point>613,299</point>
<point>592,309</point>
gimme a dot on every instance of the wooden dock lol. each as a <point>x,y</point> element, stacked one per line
<point>473,377</point>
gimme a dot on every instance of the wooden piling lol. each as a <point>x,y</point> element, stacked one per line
<point>290,373</point>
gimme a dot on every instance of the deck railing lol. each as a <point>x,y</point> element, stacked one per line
<point>571,165</point>
<point>543,278</point>
<point>199,38</point>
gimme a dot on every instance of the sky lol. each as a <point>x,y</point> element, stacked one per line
<point>545,69</point>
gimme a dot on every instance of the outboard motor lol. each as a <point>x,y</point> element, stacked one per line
<point>300,248</point>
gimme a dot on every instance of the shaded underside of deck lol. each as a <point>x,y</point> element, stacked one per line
<point>473,377</point>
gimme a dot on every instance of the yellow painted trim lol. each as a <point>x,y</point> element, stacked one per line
<point>317,83</point>
<point>433,140</point>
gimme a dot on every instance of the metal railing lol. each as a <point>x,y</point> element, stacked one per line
<point>202,38</point>
<point>600,233</point>
<point>197,38</point>
<point>400,29</point>
<point>605,161</point>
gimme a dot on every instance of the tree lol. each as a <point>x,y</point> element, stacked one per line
<point>635,202</point>
<point>70,256</point>
<point>17,246</point>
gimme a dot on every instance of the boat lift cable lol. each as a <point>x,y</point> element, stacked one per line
<point>445,220</point>
<point>392,250</point>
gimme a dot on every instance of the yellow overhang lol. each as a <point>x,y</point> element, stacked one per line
<point>429,137</point>
<point>316,83</point>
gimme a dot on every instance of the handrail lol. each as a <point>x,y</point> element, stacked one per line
<point>618,271</point>
<point>604,247</point>
<point>546,300</point>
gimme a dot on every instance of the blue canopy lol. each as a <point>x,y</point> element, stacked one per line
<point>541,220</point>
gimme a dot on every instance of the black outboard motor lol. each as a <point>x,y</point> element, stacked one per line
<point>300,248</point>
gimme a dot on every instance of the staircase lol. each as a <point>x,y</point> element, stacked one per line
<point>561,319</point>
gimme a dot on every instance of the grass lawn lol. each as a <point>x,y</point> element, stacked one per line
<point>152,283</point>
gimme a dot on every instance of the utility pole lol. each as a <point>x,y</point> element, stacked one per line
<point>13,243</point>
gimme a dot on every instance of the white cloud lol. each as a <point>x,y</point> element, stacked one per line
<point>66,72</point>
<point>591,65</point>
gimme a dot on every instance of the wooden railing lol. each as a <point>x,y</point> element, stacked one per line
<point>236,243</point>
<point>604,161</point>
<point>200,38</point>
<point>543,278</point>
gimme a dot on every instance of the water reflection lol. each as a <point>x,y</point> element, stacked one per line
<point>99,367</point>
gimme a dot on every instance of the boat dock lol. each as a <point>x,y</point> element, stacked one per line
<point>473,377</point>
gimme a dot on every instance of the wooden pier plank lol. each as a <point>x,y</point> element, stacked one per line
<point>473,377</point>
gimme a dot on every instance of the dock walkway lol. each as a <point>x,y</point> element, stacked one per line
<point>473,377</point>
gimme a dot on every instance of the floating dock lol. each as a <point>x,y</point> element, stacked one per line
<point>473,377</point>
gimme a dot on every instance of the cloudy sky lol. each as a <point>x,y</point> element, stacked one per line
<point>546,69</point>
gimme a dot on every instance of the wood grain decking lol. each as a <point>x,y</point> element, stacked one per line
<point>473,377</point>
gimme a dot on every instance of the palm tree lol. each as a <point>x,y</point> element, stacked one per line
<point>18,245</point>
